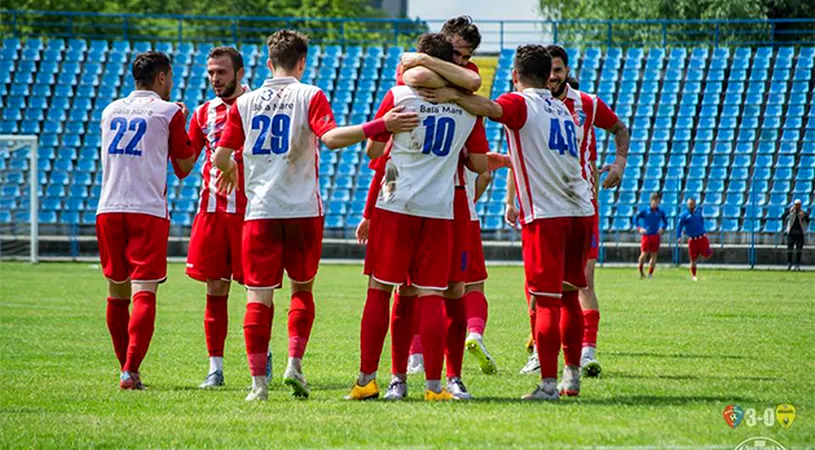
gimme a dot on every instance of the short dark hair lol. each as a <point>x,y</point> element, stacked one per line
<point>230,52</point>
<point>287,48</point>
<point>464,27</point>
<point>656,196</point>
<point>437,45</point>
<point>533,64</point>
<point>148,65</point>
<point>573,82</point>
<point>556,51</point>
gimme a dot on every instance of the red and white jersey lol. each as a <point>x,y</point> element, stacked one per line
<point>588,111</point>
<point>279,126</point>
<point>206,128</point>
<point>139,134</point>
<point>470,178</point>
<point>419,176</point>
<point>542,140</point>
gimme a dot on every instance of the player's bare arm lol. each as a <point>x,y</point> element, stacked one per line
<point>482,182</point>
<point>375,149</point>
<point>478,163</point>
<point>395,121</point>
<point>183,167</point>
<point>511,214</point>
<point>423,77</point>
<point>455,74</point>
<point>227,180</point>
<point>622,139</point>
<point>474,104</point>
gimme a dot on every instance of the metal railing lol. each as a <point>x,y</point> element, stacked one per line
<point>497,34</point>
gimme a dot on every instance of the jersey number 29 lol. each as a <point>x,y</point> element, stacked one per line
<point>279,126</point>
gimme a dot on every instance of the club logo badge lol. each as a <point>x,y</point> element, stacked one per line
<point>733,415</point>
<point>785,415</point>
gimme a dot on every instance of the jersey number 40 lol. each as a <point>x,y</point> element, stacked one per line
<point>278,126</point>
<point>120,126</point>
<point>560,143</point>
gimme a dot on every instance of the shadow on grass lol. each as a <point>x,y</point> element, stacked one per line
<point>674,355</point>
<point>625,400</point>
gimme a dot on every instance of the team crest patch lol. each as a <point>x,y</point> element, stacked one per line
<point>581,117</point>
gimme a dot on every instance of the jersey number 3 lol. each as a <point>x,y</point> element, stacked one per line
<point>279,126</point>
<point>120,125</point>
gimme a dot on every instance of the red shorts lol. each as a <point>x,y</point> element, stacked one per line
<point>594,245</point>
<point>461,237</point>
<point>271,245</point>
<point>132,246</point>
<point>555,253</point>
<point>699,246</point>
<point>649,243</point>
<point>477,268</point>
<point>404,248</point>
<point>215,247</point>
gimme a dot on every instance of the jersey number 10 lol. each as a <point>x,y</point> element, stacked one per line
<point>279,126</point>
<point>438,136</point>
<point>120,125</point>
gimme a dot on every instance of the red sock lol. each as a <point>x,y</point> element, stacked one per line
<point>642,272</point>
<point>693,270</point>
<point>456,326</point>
<point>475,306</point>
<point>373,329</point>
<point>431,310</point>
<point>216,322</point>
<point>117,318</point>
<point>571,328</point>
<point>651,270</point>
<point>416,343</point>
<point>257,330</point>
<point>402,324</point>
<point>591,320</point>
<point>141,326</point>
<point>301,318</point>
<point>547,334</point>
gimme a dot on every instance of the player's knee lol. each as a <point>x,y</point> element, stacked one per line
<point>477,287</point>
<point>217,287</point>
<point>265,296</point>
<point>119,290</point>
<point>454,290</point>
<point>373,284</point>
<point>302,287</point>
<point>145,286</point>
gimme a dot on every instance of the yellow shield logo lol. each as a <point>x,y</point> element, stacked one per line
<point>785,414</point>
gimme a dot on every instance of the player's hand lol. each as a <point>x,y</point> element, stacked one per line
<point>615,175</point>
<point>184,109</point>
<point>398,120</point>
<point>511,216</point>
<point>227,181</point>
<point>410,60</point>
<point>497,161</point>
<point>362,231</point>
<point>661,230</point>
<point>641,230</point>
<point>440,95</point>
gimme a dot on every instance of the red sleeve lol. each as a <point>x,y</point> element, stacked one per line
<point>179,143</point>
<point>373,192</point>
<point>514,107</point>
<point>233,135</point>
<point>196,136</point>
<point>604,117</point>
<point>320,116</point>
<point>477,141</point>
<point>471,65</point>
<point>399,80</point>
<point>384,107</point>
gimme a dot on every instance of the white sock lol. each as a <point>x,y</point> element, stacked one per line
<point>589,352</point>
<point>259,381</point>
<point>296,364</point>
<point>433,385</point>
<point>365,378</point>
<point>474,335</point>
<point>216,363</point>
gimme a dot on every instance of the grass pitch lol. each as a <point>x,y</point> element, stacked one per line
<point>675,353</point>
